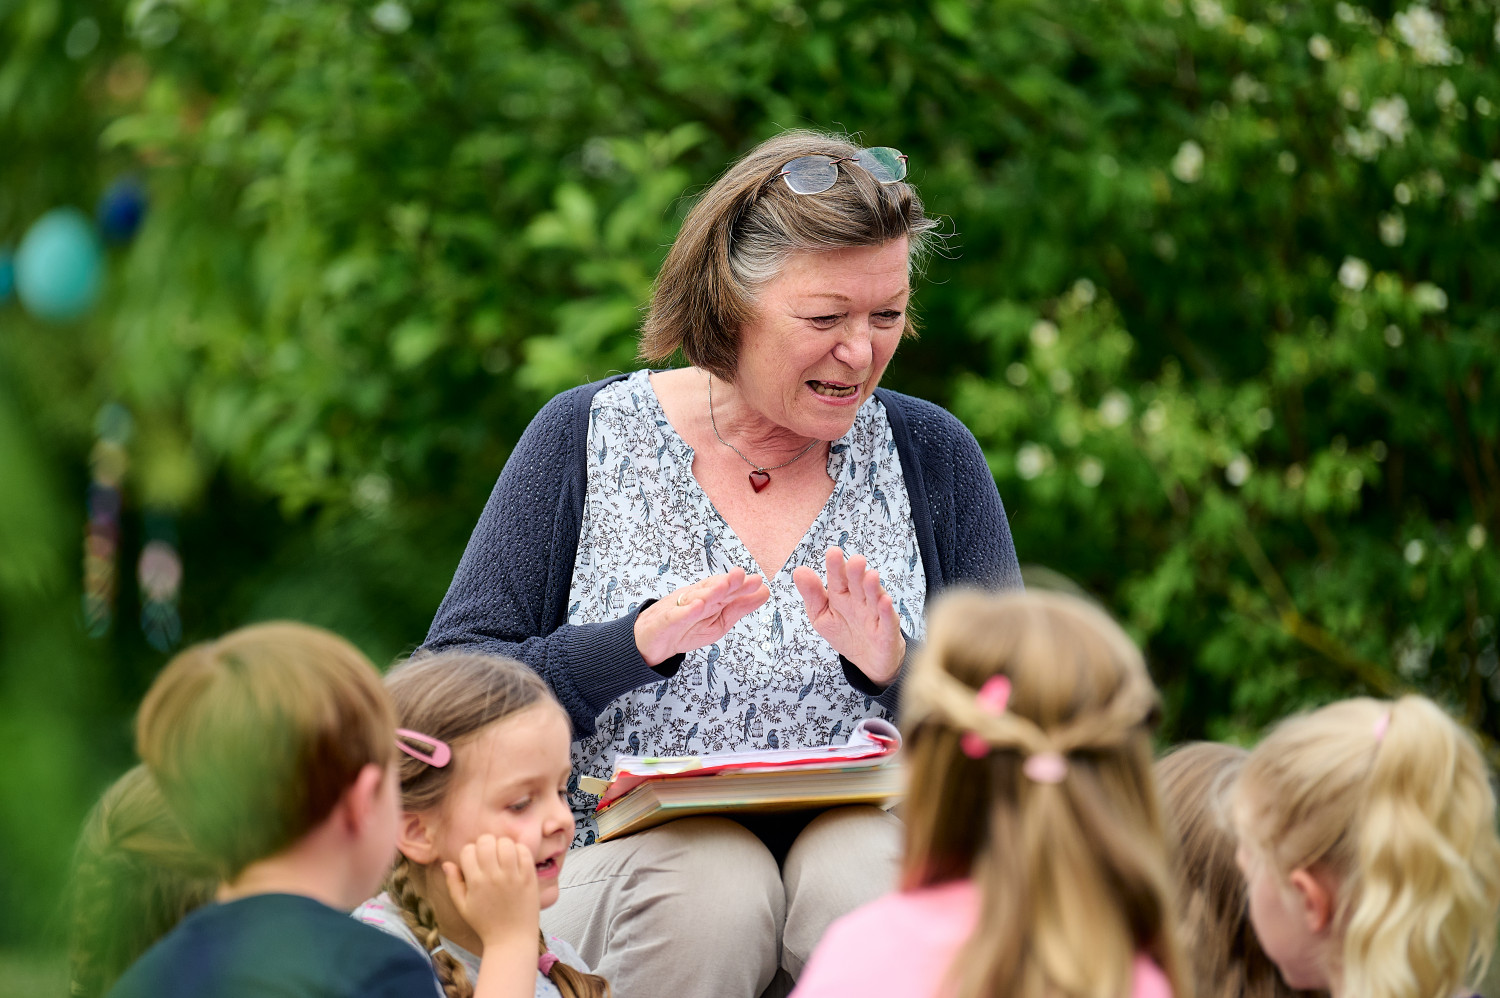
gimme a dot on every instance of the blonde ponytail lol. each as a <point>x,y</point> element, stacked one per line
<point>1393,800</point>
<point>1042,794</point>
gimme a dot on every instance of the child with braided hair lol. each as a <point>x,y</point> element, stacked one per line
<point>484,830</point>
<point>1368,845</point>
<point>1035,862</point>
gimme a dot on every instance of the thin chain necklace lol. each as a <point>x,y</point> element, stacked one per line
<point>761,476</point>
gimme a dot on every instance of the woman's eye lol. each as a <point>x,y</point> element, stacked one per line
<point>825,321</point>
<point>888,317</point>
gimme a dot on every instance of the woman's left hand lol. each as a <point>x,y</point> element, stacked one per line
<point>854,614</point>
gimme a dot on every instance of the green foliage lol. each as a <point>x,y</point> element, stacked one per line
<point>1221,306</point>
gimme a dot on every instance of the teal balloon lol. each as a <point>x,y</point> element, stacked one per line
<point>7,276</point>
<point>59,266</point>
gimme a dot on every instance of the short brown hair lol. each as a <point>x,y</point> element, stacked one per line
<point>254,737</point>
<point>1213,916</point>
<point>741,231</point>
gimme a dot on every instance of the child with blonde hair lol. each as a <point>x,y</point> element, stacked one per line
<point>1368,845</point>
<point>1035,861</point>
<point>486,758</point>
<point>274,748</point>
<point>1196,782</point>
<point>135,875</point>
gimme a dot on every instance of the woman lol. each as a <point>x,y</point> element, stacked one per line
<point>736,554</point>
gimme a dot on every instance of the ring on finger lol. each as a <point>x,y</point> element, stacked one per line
<point>679,600</point>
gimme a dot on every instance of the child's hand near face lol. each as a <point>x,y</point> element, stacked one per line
<point>494,887</point>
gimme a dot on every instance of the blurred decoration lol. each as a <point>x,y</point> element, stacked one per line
<point>7,275</point>
<point>121,210</point>
<point>59,266</point>
<point>160,576</point>
<point>108,464</point>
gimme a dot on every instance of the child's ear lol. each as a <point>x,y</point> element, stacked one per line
<point>416,838</point>
<point>360,799</point>
<point>1316,893</point>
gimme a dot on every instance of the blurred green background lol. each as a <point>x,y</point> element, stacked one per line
<point>1221,305</point>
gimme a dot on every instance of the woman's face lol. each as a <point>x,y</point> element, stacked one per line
<point>826,328</point>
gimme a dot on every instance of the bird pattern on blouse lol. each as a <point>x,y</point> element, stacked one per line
<point>648,528</point>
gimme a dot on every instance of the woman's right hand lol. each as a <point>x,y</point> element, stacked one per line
<point>494,887</point>
<point>697,615</point>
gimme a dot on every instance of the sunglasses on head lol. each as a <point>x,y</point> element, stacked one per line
<point>816,174</point>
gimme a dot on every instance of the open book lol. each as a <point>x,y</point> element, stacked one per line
<point>646,791</point>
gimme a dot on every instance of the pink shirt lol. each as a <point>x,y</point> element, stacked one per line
<point>901,945</point>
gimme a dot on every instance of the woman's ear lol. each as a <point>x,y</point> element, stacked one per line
<point>416,837</point>
<point>1316,892</point>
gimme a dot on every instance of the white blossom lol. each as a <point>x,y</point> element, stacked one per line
<point>1423,30</point>
<point>1445,95</point>
<point>1393,336</point>
<point>1210,13</point>
<point>1389,117</point>
<point>1044,334</point>
<point>1246,88</point>
<point>1361,144</point>
<point>1017,374</point>
<point>1429,297</point>
<point>1187,165</point>
<point>1031,461</point>
<point>391,16</point>
<point>1393,228</point>
<point>1237,472</point>
<point>1476,536</point>
<point>1320,48</point>
<point>1414,552</point>
<point>1114,408</point>
<point>1354,273</point>
<point>1090,472</point>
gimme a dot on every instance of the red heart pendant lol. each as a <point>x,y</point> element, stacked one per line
<point>759,480</point>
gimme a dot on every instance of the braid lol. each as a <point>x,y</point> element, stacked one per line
<point>570,981</point>
<point>420,918</point>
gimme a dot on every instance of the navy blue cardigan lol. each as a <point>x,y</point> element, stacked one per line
<point>510,593</point>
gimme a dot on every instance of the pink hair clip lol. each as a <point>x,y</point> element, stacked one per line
<point>1045,767</point>
<point>439,756</point>
<point>1381,724</point>
<point>993,697</point>
<point>546,962</point>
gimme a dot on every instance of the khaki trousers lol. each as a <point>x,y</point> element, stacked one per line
<point>699,906</point>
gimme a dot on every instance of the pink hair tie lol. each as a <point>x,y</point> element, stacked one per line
<point>546,962</point>
<point>439,756</point>
<point>1381,724</point>
<point>1045,767</point>
<point>993,697</point>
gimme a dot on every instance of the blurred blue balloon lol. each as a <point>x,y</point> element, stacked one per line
<point>59,266</point>
<point>121,209</point>
<point>7,275</point>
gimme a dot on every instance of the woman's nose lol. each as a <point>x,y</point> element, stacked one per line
<point>854,347</point>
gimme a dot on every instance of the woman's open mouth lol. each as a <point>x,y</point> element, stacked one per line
<point>833,389</point>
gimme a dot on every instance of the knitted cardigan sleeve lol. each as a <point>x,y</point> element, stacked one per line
<point>508,596</point>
